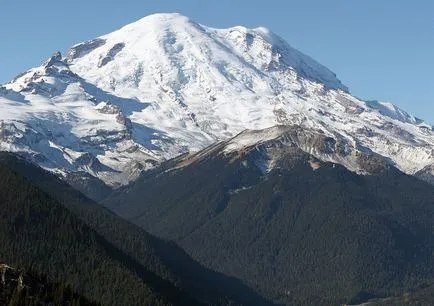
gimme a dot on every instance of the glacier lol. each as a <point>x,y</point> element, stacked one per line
<point>165,85</point>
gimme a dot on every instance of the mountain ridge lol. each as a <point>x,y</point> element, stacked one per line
<point>164,85</point>
<point>300,230</point>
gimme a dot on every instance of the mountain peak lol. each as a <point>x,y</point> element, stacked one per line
<point>162,20</point>
<point>177,38</point>
<point>165,85</point>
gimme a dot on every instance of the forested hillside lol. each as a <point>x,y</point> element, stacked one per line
<point>18,287</point>
<point>101,256</point>
<point>306,232</point>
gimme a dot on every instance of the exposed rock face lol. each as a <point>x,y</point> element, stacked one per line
<point>276,145</point>
<point>84,48</point>
<point>111,54</point>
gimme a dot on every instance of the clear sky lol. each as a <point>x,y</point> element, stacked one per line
<point>381,49</point>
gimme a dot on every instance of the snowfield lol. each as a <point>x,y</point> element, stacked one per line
<point>165,85</point>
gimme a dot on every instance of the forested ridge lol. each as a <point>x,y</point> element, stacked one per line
<point>67,237</point>
<point>298,236</point>
<point>291,236</point>
<point>40,234</point>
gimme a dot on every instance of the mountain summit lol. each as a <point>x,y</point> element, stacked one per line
<point>165,85</point>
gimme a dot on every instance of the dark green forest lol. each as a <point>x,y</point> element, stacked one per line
<point>297,236</point>
<point>422,296</point>
<point>291,236</point>
<point>63,235</point>
<point>40,234</point>
<point>23,288</point>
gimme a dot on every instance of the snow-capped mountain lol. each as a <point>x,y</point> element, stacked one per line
<point>165,85</point>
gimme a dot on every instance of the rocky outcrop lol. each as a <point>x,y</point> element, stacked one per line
<point>111,54</point>
<point>84,48</point>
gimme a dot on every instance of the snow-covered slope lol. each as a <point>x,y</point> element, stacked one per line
<point>165,85</point>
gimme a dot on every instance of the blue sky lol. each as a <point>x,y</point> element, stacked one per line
<point>381,49</point>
